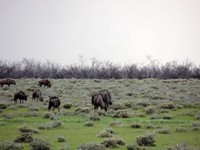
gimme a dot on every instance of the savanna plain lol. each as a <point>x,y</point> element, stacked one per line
<point>165,111</point>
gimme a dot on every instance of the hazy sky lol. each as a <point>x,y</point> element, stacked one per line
<point>121,31</point>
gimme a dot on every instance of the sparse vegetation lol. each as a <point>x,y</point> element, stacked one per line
<point>167,108</point>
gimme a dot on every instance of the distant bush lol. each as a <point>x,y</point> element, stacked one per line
<point>136,125</point>
<point>92,146</point>
<point>167,116</point>
<point>162,131</point>
<point>107,133</point>
<point>88,124</point>
<point>25,128</point>
<point>142,103</point>
<point>197,116</point>
<point>181,146</point>
<point>146,140</point>
<point>29,68</point>
<point>60,139</point>
<point>10,146</point>
<point>121,114</point>
<point>112,142</point>
<point>38,144</point>
<point>48,115</point>
<point>55,124</point>
<point>67,105</point>
<point>180,129</point>
<point>25,137</point>
<point>94,117</point>
<point>115,123</point>
<point>134,147</point>
<point>150,110</point>
<point>82,110</point>
<point>3,106</point>
<point>168,106</point>
<point>117,106</point>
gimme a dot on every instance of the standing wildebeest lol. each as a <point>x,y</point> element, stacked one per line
<point>37,95</point>
<point>105,96</point>
<point>44,82</point>
<point>54,102</point>
<point>97,101</point>
<point>7,82</point>
<point>21,96</point>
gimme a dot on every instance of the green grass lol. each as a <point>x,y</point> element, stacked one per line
<point>77,92</point>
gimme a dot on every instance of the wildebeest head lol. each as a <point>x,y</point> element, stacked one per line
<point>12,82</point>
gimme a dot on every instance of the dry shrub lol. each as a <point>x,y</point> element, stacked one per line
<point>180,129</point>
<point>88,124</point>
<point>167,116</point>
<point>25,137</point>
<point>163,131</point>
<point>94,117</point>
<point>82,110</point>
<point>146,140</point>
<point>3,106</point>
<point>60,139</point>
<point>92,146</point>
<point>25,128</point>
<point>112,142</point>
<point>38,144</point>
<point>10,146</point>
<point>181,146</point>
<point>150,110</point>
<point>115,123</point>
<point>117,106</point>
<point>168,105</point>
<point>67,105</point>
<point>142,103</point>
<point>32,114</point>
<point>48,115</point>
<point>107,133</point>
<point>121,114</point>
<point>136,125</point>
<point>55,124</point>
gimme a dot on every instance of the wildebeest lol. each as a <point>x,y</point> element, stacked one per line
<point>97,101</point>
<point>44,82</point>
<point>21,96</point>
<point>54,102</point>
<point>105,96</point>
<point>37,94</point>
<point>7,82</point>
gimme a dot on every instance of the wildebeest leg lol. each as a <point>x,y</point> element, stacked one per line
<point>58,109</point>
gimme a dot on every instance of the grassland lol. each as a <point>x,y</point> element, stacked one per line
<point>170,109</point>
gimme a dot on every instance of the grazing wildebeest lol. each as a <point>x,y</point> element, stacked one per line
<point>7,82</point>
<point>97,101</point>
<point>44,82</point>
<point>37,95</point>
<point>106,97</point>
<point>54,102</point>
<point>21,96</point>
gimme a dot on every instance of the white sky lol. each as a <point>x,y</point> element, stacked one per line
<point>119,31</point>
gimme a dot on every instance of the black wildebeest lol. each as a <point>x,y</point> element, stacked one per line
<point>21,96</point>
<point>7,82</point>
<point>44,82</point>
<point>54,102</point>
<point>97,101</point>
<point>105,96</point>
<point>37,94</point>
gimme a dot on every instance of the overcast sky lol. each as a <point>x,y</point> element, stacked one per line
<point>119,31</point>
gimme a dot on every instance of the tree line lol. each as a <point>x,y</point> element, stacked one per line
<point>30,68</point>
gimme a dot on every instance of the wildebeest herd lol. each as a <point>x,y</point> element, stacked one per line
<point>100,99</point>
